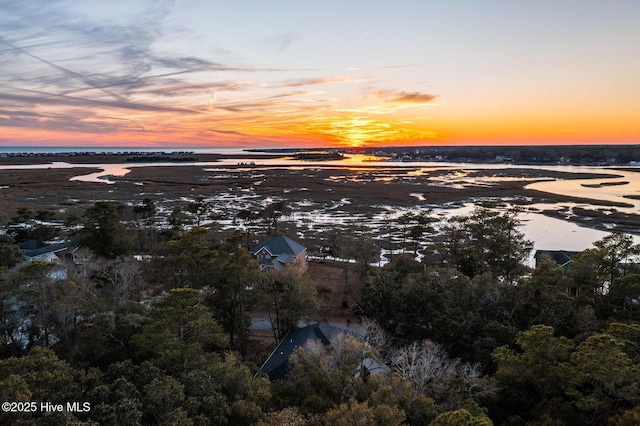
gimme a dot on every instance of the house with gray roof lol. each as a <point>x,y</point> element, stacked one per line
<point>561,257</point>
<point>564,259</point>
<point>277,365</point>
<point>34,250</point>
<point>44,252</point>
<point>279,251</point>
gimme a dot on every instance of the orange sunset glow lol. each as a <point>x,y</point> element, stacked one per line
<point>162,74</point>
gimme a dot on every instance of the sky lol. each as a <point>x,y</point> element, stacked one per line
<point>208,73</point>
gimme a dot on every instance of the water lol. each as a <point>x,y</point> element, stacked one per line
<point>547,233</point>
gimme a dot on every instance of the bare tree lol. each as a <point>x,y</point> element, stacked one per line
<point>371,334</point>
<point>427,366</point>
<point>121,277</point>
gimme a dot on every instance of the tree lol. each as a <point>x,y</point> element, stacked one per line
<point>13,324</point>
<point>109,340</point>
<point>603,379</point>
<point>460,417</point>
<point>541,298</point>
<point>290,296</point>
<point>596,269</point>
<point>120,277</point>
<point>189,259</point>
<point>624,296</point>
<point>178,219</point>
<point>10,254</point>
<point>324,376</point>
<point>588,274</point>
<point>361,414</point>
<point>284,417</point>
<point>180,333</point>
<point>487,241</point>
<point>380,298</point>
<point>163,398</point>
<point>332,243</point>
<point>33,226</point>
<point>200,208</point>
<point>233,292</point>
<point>362,248</point>
<point>431,372</point>
<point>40,376</point>
<point>145,219</point>
<point>531,379</point>
<point>116,403</point>
<point>248,216</point>
<point>414,226</point>
<point>617,250</point>
<point>35,288</point>
<point>271,215</point>
<point>104,232</point>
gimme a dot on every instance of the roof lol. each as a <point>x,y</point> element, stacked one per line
<point>279,245</point>
<point>561,257</point>
<point>275,262</point>
<point>277,365</point>
<point>33,248</point>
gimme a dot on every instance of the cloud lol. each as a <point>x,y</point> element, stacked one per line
<point>227,132</point>
<point>82,121</point>
<point>405,97</point>
<point>38,97</point>
<point>362,37</point>
<point>63,70</point>
<point>282,41</point>
<point>323,80</point>
<point>414,97</point>
<point>295,93</point>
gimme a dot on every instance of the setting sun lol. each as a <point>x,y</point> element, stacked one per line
<point>73,74</point>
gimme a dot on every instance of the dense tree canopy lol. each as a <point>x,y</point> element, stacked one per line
<point>467,334</point>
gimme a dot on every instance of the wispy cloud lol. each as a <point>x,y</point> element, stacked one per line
<point>281,41</point>
<point>362,37</point>
<point>323,80</point>
<point>63,71</point>
<point>38,97</point>
<point>226,132</point>
<point>405,97</point>
<point>67,72</point>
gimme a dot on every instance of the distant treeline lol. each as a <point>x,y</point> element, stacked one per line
<point>535,154</point>
<point>159,159</point>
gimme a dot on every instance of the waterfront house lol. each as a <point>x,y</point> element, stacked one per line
<point>563,258</point>
<point>279,251</point>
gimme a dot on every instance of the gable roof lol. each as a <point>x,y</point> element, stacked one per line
<point>279,245</point>
<point>34,248</point>
<point>561,257</point>
<point>277,365</point>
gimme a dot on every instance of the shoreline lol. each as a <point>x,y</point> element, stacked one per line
<point>367,190</point>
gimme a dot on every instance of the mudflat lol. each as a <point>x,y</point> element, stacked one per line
<point>363,190</point>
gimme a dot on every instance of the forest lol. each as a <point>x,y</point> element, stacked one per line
<point>148,324</point>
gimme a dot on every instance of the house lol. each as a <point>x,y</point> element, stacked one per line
<point>277,365</point>
<point>280,251</point>
<point>563,258</point>
<point>37,250</point>
<point>34,250</point>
